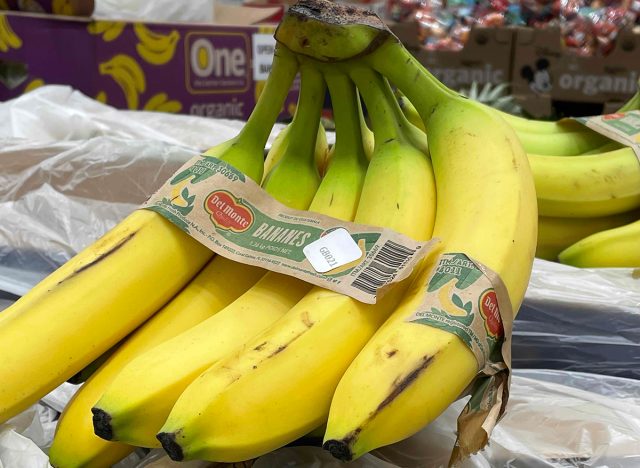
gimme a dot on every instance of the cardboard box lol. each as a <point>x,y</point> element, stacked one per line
<point>56,7</point>
<point>547,78</point>
<point>486,58</point>
<point>200,69</point>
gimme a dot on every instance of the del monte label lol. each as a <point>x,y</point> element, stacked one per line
<point>228,212</point>
<point>491,313</point>
<point>231,214</point>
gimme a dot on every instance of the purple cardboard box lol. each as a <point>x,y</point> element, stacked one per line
<point>200,69</point>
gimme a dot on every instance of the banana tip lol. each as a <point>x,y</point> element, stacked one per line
<point>102,424</point>
<point>339,449</point>
<point>169,444</point>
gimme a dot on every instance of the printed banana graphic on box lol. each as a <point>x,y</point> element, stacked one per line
<point>197,69</point>
<point>160,102</point>
<point>8,38</point>
<point>110,30</point>
<point>154,48</point>
<point>128,75</point>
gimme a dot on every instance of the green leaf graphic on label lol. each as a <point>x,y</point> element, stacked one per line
<point>457,266</point>
<point>468,307</point>
<point>186,197</point>
<point>457,301</point>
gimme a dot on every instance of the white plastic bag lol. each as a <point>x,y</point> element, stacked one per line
<point>580,319</point>
<point>193,11</point>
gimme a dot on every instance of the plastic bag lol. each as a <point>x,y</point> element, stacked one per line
<point>71,168</point>
<point>580,319</point>
<point>195,11</point>
<point>554,419</point>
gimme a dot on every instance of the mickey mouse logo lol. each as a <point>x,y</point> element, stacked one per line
<point>538,78</point>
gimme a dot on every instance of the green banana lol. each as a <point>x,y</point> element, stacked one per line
<point>304,129</point>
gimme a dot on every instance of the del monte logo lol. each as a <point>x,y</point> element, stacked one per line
<point>228,212</point>
<point>491,313</point>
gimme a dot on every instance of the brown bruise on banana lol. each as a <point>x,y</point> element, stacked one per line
<point>399,385</point>
<point>100,257</point>
<point>284,346</point>
<point>260,346</point>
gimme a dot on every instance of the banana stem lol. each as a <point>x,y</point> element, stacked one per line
<point>378,99</point>
<point>304,127</point>
<point>631,104</point>
<point>424,91</point>
<point>346,113</point>
<point>258,127</point>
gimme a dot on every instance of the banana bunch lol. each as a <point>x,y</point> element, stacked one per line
<point>586,186</point>
<point>262,370</point>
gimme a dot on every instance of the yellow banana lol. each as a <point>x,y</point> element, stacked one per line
<point>105,291</point>
<point>154,48</point>
<point>409,373</point>
<point>587,186</point>
<point>137,402</point>
<point>128,75</point>
<point>8,38</point>
<point>556,234</point>
<point>95,304</point>
<point>617,247</point>
<point>215,287</point>
<point>294,365</point>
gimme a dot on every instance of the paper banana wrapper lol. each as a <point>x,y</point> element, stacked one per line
<point>233,216</point>
<point>623,127</point>
<point>466,298</point>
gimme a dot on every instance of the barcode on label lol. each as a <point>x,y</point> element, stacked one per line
<point>383,268</point>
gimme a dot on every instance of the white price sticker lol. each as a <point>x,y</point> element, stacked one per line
<point>264,46</point>
<point>332,251</point>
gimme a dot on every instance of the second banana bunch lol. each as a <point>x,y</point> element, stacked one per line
<point>588,190</point>
<point>221,361</point>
